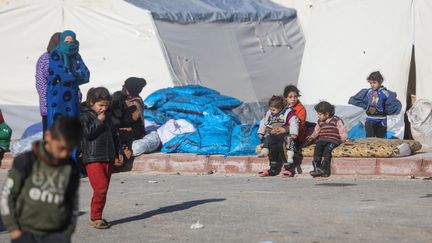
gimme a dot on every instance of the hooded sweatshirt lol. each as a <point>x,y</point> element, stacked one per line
<point>39,197</point>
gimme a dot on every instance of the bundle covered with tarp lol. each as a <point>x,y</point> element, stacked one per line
<point>187,102</point>
<point>371,148</point>
<point>218,128</point>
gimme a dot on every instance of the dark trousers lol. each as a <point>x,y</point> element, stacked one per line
<point>49,238</point>
<point>276,156</point>
<point>323,155</point>
<point>375,129</point>
<point>44,124</point>
<point>2,152</point>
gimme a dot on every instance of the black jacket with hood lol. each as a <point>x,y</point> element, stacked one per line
<point>100,141</point>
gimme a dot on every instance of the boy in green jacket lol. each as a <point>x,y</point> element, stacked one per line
<point>5,137</point>
<point>39,202</point>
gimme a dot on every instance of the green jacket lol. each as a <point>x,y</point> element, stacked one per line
<point>40,198</point>
<point>5,136</point>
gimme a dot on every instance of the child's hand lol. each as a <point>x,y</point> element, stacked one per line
<point>15,234</point>
<point>101,116</point>
<point>127,129</point>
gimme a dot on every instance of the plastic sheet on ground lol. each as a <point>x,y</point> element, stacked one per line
<point>173,128</point>
<point>150,143</point>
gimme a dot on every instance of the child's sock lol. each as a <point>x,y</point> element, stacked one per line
<point>264,153</point>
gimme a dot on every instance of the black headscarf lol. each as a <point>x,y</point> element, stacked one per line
<point>134,85</point>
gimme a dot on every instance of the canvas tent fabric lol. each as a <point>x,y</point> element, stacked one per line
<point>247,49</point>
<point>194,11</point>
<point>117,40</point>
<point>423,48</point>
<point>347,40</point>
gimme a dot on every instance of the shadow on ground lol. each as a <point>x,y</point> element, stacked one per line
<point>336,184</point>
<point>169,209</point>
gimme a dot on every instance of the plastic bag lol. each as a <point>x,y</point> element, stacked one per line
<point>183,143</point>
<point>244,140</point>
<point>182,107</point>
<point>173,128</point>
<point>420,117</point>
<point>195,119</point>
<point>32,130</point>
<point>196,90</point>
<point>158,98</point>
<point>25,145</point>
<point>215,131</point>
<point>156,116</point>
<point>148,144</point>
<point>226,102</point>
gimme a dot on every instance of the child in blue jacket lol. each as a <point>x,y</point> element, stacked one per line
<point>378,102</point>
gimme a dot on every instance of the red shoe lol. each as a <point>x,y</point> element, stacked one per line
<point>287,173</point>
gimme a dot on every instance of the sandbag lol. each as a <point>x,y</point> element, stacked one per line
<point>158,98</point>
<point>195,119</point>
<point>244,140</point>
<point>226,102</point>
<point>148,144</point>
<point>420,117</point>
<point>369,148</point>
<point>173,128</point>
<point>161,96</point>
<point>25,145</point>
<point>215,131</point>
<point>193,99</point>
<point>183,143</point>
<point>156,116</point>
<point>182,107</point>
<point>196,90</point>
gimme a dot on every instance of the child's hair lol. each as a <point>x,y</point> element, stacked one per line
<point>67,129</point>
<point>325,107</point>
<point>291,88</point>
<point>277,102</point>
<point>98,94</point>
<point>376,76</point>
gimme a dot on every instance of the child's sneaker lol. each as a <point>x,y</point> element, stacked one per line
<point>264,153</point>
<point>266,173</point>
<point>318,172</point>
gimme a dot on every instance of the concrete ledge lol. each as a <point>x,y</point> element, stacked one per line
<point>158,162</point>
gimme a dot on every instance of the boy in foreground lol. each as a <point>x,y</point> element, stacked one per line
<point>39,201</point>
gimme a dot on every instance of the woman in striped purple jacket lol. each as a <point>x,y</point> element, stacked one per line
<point>42,73</point>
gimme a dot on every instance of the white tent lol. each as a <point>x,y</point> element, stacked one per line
<point>348,39</point>
<point>248,49</point>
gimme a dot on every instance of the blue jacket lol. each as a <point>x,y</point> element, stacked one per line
<point>377,103</point>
